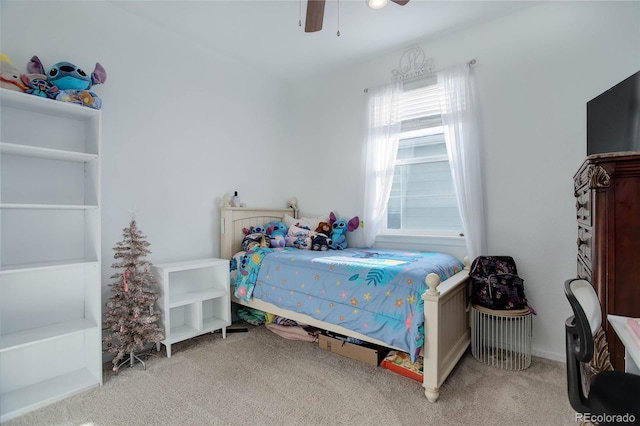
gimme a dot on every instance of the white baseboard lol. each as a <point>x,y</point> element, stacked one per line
<point>553,356</point>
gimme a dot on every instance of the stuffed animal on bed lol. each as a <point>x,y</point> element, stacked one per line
<point>298,237</point>
<point>255,236</point>
<point>339,229</point>
<point>259,229</point>
<point>276,231</point>
<point>321,240</point>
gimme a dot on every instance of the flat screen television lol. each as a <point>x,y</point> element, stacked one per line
<point>613,118</point>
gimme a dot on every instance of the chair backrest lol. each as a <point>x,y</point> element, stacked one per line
<point>580,329</point>
<point>587,315</point>
<point>589,302</point>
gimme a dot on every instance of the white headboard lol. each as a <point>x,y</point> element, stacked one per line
<point>234,219</point>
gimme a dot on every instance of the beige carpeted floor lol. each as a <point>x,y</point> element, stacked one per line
<point>259,378</point>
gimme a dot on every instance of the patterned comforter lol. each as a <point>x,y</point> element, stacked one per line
<point>376,292</point>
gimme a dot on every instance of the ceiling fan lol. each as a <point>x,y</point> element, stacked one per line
<point>315,12</point>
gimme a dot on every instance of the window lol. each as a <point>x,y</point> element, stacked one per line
<point>422,198</point>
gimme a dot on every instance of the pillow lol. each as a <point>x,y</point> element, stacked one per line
<point>297,231</point>
<point>305,222</point>
<point>299,238</point>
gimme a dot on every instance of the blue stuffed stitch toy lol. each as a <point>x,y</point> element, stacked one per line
<point>255,236</point>
<point>339,229</point>
<point>66,76</point>
<point>277,231</point>
<point>72,82</point>
<point>39,86</point>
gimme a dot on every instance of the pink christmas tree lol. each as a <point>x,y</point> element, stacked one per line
<point>131,319</point>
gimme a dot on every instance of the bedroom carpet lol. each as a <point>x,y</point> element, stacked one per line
<point>259,378</point>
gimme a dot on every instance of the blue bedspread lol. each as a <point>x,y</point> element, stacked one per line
<point>375,292</point>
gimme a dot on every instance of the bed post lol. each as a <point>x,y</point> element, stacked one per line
<point>446,329</point>
<point>430,349</point>
<point>226,232</point>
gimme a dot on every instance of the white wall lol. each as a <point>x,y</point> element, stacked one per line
<point>178,121</point>
<point>535,72</point>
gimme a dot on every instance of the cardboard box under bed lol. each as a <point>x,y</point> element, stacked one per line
<point>367,353</point>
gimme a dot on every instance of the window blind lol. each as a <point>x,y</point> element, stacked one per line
<point>421,108</point>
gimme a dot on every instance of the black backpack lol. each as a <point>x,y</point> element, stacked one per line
<point>495,283</point>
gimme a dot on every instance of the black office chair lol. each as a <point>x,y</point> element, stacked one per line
<point>610,392</point>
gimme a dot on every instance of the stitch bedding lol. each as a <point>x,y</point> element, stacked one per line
<point>376,292</point>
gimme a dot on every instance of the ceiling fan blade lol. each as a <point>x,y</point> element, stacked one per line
<point>400,2</point>
<point>315,14</point>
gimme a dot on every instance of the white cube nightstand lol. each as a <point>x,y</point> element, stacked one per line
<point>194,298</point>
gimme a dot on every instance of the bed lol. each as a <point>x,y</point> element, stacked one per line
<point>445,334</point>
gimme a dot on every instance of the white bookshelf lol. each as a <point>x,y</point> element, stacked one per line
<point>194,296</point>
<point>50,291</point>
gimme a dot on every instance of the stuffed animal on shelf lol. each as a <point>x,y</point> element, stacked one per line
<point>9,76</point>
<point>67,76</point>
<point>39,86</point>
<point>321,240</point>
<point>81,97</point>
<point>11,79</point>
<point>339,229</point>
<point>72,82</point>
<point>276,231</point>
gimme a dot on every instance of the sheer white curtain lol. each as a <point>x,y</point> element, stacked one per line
<point>380,155</point>
<point>461,122</point>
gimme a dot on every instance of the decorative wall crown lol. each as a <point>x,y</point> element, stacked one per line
<point>413,65</point>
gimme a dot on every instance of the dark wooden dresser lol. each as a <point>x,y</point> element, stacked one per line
<point>607,191</point>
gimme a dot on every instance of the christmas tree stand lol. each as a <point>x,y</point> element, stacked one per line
<point>132,360</point>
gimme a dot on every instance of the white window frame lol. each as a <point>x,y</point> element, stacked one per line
<point>424,131</point>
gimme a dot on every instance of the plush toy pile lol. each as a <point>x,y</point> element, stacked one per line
<point>304,234</point>
<point>64,81</point>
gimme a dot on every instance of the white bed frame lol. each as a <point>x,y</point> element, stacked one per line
<point>446,328</point>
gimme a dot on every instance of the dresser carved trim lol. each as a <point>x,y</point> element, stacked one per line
<point>607,191</point>
<point>598,177</point>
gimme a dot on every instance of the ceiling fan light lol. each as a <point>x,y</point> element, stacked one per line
<point>377,4</point>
